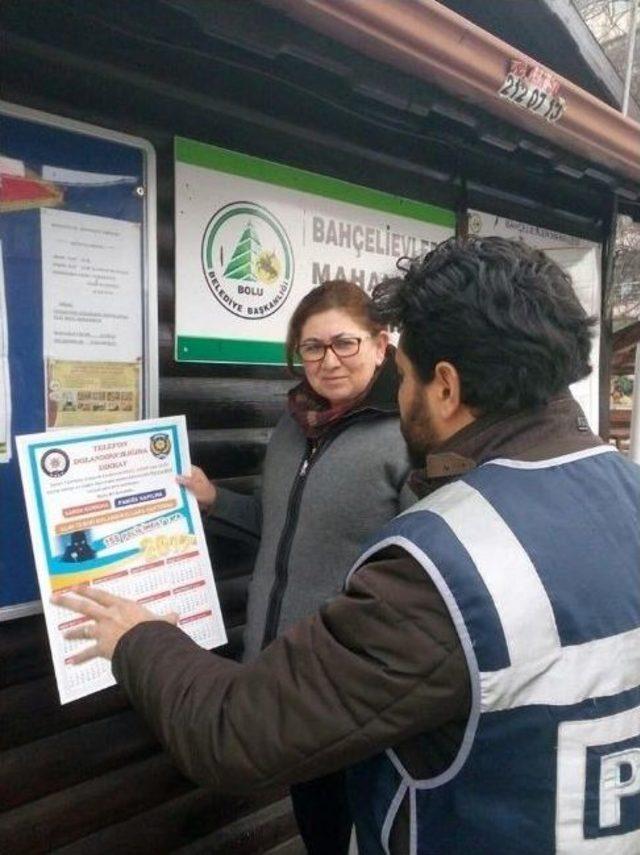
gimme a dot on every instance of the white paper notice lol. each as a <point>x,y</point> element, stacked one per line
<point>5,388</point>
<point>105,511</point>
<point>92,288</point>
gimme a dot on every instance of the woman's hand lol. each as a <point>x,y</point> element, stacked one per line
<point>197,483</point>
<point>112,616</point>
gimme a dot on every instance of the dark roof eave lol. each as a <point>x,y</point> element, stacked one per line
<point>431,42</point>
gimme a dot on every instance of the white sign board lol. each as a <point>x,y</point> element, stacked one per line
<point>253,237</point>
<point>581,260</point>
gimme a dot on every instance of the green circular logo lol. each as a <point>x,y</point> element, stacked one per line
<point>247,260</point>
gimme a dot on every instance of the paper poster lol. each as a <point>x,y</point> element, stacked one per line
<point>253,237</point>
<point>105,510</point>
<point>92,393</point>
<point>5,385</point>
<point>92,288</point>
<point>581,259</point>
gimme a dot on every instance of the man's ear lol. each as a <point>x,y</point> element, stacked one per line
<point>448,391</point>
<point>448,412</point>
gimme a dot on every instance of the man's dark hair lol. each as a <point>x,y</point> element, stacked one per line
<point>504,314</point>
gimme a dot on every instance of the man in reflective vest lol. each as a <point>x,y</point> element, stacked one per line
<point>538,562</point>
<point>481,672</point>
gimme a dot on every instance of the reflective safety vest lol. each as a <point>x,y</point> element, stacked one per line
<point>539,566</point>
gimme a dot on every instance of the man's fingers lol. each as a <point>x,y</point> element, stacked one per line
<point>191,477</point>
<point>85,631</point>
<point>85,655</point>
<point>89,601</point>
<point>104,598</point>
<point>171,617</point>
<point>81,605</point>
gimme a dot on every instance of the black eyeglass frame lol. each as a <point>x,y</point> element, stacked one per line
<point>330,346</point>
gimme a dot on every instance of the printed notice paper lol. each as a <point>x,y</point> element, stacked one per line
<point>105,510</point>
<point>91,275</point>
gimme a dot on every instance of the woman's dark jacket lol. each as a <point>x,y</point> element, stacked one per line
<point>320,501</point>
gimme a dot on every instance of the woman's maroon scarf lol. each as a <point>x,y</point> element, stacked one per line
<point>315,414</point>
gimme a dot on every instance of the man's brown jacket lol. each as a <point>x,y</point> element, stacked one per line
<point>381,665</point>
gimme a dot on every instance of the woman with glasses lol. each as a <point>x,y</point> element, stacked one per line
<point>334,472</point>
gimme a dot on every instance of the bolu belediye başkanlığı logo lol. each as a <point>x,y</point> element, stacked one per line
<point>247,260</point>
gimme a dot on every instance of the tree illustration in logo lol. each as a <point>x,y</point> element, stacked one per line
<point>250,262</point>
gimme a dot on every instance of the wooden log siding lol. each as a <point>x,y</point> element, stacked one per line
<point>89,776</point>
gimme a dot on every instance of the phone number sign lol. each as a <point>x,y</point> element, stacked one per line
<point>535,89</point>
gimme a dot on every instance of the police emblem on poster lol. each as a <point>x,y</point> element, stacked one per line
<point>54,463</point>
<point>247,260</point>
<point>160,445</point>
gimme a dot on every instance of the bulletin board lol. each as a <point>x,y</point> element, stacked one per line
<point>78,298</point>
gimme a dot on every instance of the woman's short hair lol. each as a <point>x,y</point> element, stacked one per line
<point>333,294</point>
<point>503,313</point>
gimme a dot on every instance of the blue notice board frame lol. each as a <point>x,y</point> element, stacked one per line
<point>36,139</point>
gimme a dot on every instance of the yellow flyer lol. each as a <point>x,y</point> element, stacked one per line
<point>105,510</point>
<point>92,393</point>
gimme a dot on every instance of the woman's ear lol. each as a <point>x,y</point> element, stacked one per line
<point>381,346</point>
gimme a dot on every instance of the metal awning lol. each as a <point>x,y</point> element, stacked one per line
<point>431,42</point>
<point>258,81</point>
<point>554,34</point>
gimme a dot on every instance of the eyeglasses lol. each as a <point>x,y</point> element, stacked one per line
<point>315,351</point>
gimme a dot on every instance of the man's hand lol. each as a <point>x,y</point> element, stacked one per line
<point>112,616</point>
<point>198,484</point>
